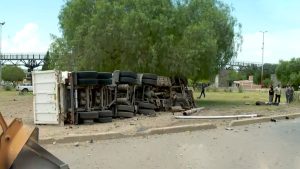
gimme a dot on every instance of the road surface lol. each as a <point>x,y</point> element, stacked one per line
<point>261,146</point>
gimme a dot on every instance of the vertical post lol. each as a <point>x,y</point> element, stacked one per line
<point>1,24</point>
<point>262,57</point>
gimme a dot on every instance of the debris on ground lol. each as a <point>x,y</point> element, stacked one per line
<point>228,128</point>
<point>273,120</point>
<point>192,111</point>
<point>76,144</point>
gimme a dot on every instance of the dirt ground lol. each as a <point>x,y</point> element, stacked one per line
<point>13,105</point>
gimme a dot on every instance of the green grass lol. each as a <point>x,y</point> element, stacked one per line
<point>232,99</point>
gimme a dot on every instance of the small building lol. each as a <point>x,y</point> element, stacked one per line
<point>246,84</point>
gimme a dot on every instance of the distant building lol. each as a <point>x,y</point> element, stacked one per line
<point>246,84</point>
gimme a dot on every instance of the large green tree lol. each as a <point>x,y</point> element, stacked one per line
<point>194,38</point>
<point>288,72</point>
<point>12,74</point>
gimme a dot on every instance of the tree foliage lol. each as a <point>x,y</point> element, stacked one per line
<point>47,62</point>
<point>12,74</point>
<point>288,72</point>
<point>194,38</point>
<point>255,71</point>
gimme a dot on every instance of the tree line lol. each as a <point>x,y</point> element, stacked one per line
<point>287,72</point>
<point>193,38</point>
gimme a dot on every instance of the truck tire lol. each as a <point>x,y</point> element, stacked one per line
<point>25,90</point>
<point>87,75</point>
<point>87,82</point>
<point>104,120</point>
<point>147,105</point>
<point>105,113</point>
<point>88,115</point>
<point>128,74</point>
<point>127,80</point>
<point>147,112</point>
<point>104,81</point>
<point>149,82</point>
<point>149,76</point>
<point>126,108</point>
<point>104,75</point>
<point>125,114</point>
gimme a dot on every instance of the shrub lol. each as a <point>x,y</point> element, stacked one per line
<point>7,87</point>
<point>241,90</point>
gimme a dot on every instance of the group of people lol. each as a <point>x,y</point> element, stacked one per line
<point>289,93</point>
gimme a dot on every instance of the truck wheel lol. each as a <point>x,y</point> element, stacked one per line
<point>126,108</point>
<point>88,115</point>
<point>104,75</point>
<point>87,82</point>
<point>149,76</point>
<point>128,74</point>
<point>105,113</point>
<point>87,75</point>
<point>127,80</point>
<point>104,81</point>
<point>149,82</point>
<point>147,105</point>
<point>125,114</point>
<point>147,112</point>
<point>104,120</point>
<point>25,90</point>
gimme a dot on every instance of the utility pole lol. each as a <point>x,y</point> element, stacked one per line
<point>262,57</point>
<point>1,24</point>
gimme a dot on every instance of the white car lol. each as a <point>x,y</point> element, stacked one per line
<point>26,87</point>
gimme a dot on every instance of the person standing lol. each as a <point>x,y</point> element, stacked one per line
<point>271,94</point>
<point>291,94</point>
<point>277,94</point>
<point>287,94</point>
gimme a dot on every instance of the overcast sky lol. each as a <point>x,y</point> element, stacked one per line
<point>29,25</point>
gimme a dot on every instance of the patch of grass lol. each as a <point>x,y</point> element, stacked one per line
<point>226,100</point>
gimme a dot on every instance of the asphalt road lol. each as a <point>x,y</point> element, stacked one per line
<point>261,146</point>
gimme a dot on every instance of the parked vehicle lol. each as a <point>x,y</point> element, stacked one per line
<point>26,87</point>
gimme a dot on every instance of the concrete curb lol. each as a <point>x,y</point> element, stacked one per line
<point>262,119</point>
<point>111,135</point>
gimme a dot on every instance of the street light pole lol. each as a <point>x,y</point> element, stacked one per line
<point>1,24</point>
<point>262,57</point>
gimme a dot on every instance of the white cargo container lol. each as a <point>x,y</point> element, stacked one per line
<point>46,97</point>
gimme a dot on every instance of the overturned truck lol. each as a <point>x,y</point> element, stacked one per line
<point>89,96</point>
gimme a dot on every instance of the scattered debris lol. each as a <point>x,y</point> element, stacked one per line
<point>192,111</point>
<point>258,103</point>
<point>228,128</point>
<point>176,109</point>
